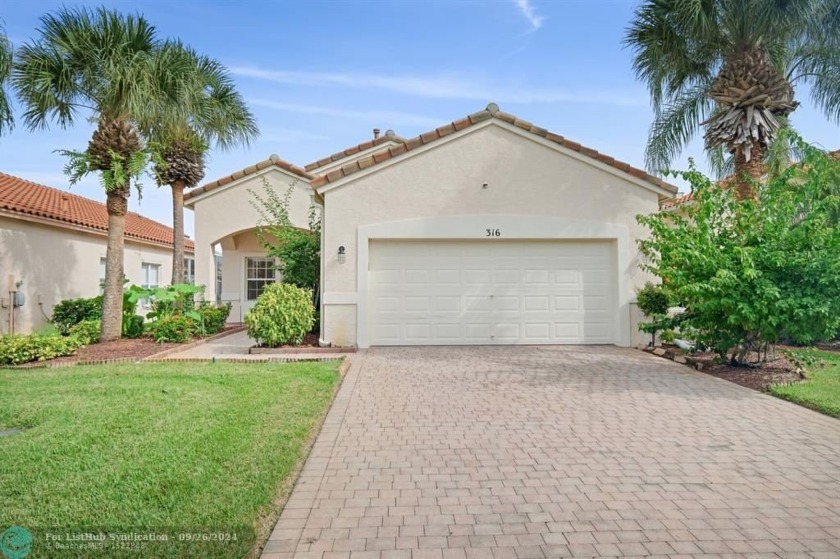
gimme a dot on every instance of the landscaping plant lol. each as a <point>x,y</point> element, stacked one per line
<point>282,315</point>
<point>174,328</point>
<point>298,251</point>
<point>753,272</point>
<point>86,331</point>
<point>653,302</point>
<point>69,312</point>
<point>16,349</point>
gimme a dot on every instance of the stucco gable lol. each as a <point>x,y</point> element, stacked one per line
<point>273,162</point>
<point>490,115</point>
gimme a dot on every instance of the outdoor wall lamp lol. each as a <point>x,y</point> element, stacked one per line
<point>342,254</point>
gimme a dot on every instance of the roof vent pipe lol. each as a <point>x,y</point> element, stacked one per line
<point>375,133</point>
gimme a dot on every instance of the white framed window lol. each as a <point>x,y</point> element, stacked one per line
<point>189,270</point>
<point>150,279</point>
<point>259,272</point>
<point>102,275</point>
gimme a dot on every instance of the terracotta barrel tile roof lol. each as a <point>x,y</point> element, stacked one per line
<point>339,155</point>
<point>272,160</point>
<point>26,197</point>
<point>676,202</point>
<point>492,111</point>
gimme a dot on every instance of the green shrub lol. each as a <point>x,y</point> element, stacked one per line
<point>653,299</point>
<point>87,331</point>
<point>70,312</point>
<point>172,329</point>
<point>133,325</point>
<point>283,315</point>
<point>213,317</point>
<point>16,349</point>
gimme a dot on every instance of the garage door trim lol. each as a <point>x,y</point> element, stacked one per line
<point>510,227</point>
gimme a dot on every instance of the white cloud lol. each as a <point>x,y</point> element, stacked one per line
<point>390,118</point>
<point>443,87</point>
<point>530,13</point>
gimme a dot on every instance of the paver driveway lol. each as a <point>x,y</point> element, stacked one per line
<point>555,452</point>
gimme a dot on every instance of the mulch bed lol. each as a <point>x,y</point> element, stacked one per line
<point>830,346</point>
<point>124,348</point>
<point>309,340</point>
<point>776,371</point>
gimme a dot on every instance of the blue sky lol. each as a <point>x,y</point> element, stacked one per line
<point>320,75</point>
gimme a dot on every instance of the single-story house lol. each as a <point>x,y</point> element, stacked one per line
<point>488,230</point>
<point>52,247</point>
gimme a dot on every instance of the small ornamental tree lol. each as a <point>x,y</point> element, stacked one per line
<point>653,302</point>
<point>298,251</point>
<point>753,272</point>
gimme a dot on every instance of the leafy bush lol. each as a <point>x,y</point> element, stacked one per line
<point>87,331</point>
<point>283,315</point>
<point>174,328</point>
<point>753,272</point>
<point>17,349</point>
<point>70,312</point>
<point>213,317</point>
<point>653,299</point>
<point>133,325</point>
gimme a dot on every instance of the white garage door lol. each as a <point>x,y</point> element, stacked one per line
<point>491,292</point>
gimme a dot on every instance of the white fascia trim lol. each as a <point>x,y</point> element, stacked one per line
<point>349,158</point>
<point>511,128</point>
<point>239,181</point>
<point>514,227</point>
<point>394,160</point>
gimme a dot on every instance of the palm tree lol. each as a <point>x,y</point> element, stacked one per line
<point>6,120</point>
<point>219,117</point>
<point>99,65</point>
<point>731,66</point>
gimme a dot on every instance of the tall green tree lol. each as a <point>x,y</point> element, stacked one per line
<point>6,51</point>
<point>219,117</point>
<point>731,66</point>
<point>100,65</point>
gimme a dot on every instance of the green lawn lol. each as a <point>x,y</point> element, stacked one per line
<point>163,448</point>
<point>822,389</point>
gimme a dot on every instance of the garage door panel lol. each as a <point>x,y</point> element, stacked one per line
<point>502,292</point>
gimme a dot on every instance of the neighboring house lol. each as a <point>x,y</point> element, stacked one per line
<point>488,230</point>
<point>53,244</point>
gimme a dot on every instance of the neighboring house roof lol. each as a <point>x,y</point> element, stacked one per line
<point>389,137</point>
<point>492,111</point>
<point>20,196</point>
<point>273,160</point>
<point>676,202</point>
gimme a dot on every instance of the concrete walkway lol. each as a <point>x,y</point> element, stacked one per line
<point>438,453</point>
<point>235,346</point>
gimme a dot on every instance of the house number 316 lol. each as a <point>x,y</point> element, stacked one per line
<point>493,232</point>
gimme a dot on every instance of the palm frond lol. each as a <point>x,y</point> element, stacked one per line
<point>674,127</point>
<point>6,119</point>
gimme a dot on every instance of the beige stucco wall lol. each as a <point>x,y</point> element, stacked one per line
<point>227,217</point>
<point>523,176</point>
<point>57,263</point>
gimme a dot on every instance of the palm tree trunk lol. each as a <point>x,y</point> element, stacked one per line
<point>749,172</point>
<point>178,232</point>
<point>117,204</point>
